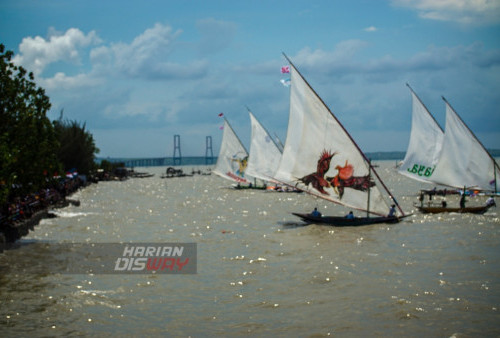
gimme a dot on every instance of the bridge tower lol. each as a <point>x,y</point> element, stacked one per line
<point>177,150</point>
<point>209,155</point>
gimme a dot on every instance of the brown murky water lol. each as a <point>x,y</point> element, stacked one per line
<point>260,271</point>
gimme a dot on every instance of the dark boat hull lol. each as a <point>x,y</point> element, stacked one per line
<point>345,222</point>
<point>244,187</point>
<point>471,210</point>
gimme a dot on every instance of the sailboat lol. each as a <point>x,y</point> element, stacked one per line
<point>426,142</point>
<point>265,155</point>
<point>456,159</point>
<point>321,158</point>
<point>233,157</point>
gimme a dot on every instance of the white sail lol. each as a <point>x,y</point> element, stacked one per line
<point>464,161</point>
<point>321,158</point>
<point>233,157</point>
<point>264,153</point>
<point>424,148</point>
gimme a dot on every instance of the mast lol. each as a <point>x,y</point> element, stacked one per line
<point>368,199</point>
<point>278,141</point>
<point>370,167</point>
<point>495,164</point>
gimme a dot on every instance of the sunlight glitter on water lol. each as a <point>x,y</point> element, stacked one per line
<point>260,270</point>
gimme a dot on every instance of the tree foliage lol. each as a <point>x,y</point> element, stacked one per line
<point>27,138</point>
<point>32,149</point>
<point>77,147</point>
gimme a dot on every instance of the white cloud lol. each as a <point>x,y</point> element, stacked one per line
<point>463,11</point>
<point>342,54</point>
<point>147,56</point>
<point>370,29</point>
<point>37,53</point>
<point>343,60</point>
<point>61,80</point>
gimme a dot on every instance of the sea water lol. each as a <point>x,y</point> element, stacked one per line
<point>260,270</point>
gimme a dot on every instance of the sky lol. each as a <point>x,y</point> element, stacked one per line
<point>139,72</point>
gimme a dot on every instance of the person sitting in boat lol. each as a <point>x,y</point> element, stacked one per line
<point>350,215</point>
<point>444,204</point>
<point>392,211</point>
<point>491,202</point>
<point>462,201</point>
<point>316,213</point>
<point>421,199</point>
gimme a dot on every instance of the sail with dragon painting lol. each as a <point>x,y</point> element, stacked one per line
<point>321,158</point>
<point>453,158</point>
<point>233,157</point>
<point>265,155</point>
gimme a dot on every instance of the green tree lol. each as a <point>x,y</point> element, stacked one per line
<point>110,167</point>
<point>27,139</point>
<point>77,147</point>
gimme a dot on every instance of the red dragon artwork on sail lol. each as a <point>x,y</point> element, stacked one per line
<point>317,179</point>
<point>344,179</point>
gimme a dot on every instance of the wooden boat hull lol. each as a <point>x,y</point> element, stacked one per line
<point>472,210</point>
<point>243,187</point>
<point>345,222</point>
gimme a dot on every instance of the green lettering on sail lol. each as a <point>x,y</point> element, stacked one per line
<point>421,170</point>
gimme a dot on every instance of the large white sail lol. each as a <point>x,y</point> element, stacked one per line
<point>321,158</point>
<point>233,157</point>
<point>424,148</point>
<point>464,161</point>
<point>265,155</point>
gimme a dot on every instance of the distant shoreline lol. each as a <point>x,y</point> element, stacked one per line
<point>202,160</point>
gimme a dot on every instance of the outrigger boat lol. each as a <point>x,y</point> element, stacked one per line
<point>436,209</point>
<point>233,157</point>
<point>452,158</point>
<point>321,158</point>
<point>264,156</point>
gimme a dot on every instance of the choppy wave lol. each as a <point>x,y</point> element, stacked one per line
<point>261,271</point>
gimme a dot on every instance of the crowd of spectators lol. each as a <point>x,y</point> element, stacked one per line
<point>21,208</point>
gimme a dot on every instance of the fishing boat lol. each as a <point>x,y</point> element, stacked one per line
<point>343,221</point>
<point>265,154</point>
<point>233,157</point>
<point>437,209</point>
<point>453,158</point>
<point>426,142</point>
<point>321,158</point>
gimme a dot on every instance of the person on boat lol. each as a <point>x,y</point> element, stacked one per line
<point>392,211</point>
<point>350,215</point>
<point>462,201</point>
<point>316,213</point>
<point>490,201</point>
<point>444,204</point>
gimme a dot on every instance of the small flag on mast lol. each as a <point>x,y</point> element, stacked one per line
<point>285,82</point>
<point>285,69</point>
